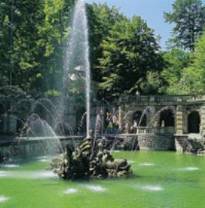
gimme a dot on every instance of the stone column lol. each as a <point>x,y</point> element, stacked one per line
<point>5,123</point>
<point>102,115</point>
<point>203,120</point>
<point>120,117</point>
<point>151,118</point>
<point>179,120</point>
<point>12,124</point>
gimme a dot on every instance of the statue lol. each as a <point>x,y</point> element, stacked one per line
<point>88,162</point>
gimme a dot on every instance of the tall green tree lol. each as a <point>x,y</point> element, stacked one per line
<point>188,17</point>
<point>101,18</point>
<point>19,21</point>
<point>175,62</point>
<point>129,52</point>
<point>193,77</point>
<point>53,36</point>
<point>31,36</point>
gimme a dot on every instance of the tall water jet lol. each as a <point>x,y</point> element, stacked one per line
<point>77,64</point>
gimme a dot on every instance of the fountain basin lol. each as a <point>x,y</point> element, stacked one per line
<point>169,183</point>
<point>156,142</point>
<point>35,146</point>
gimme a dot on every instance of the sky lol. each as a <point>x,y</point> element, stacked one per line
<point>150,10</point>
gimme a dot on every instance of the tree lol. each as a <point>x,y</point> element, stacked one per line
<point>188,16</point>
<point>129,52</point>
<point>31,36</point>
<point>101,21</point>
<point>193,77</point>
<point>175,62</point>
<point>53,36</point>
<point>153,84</point>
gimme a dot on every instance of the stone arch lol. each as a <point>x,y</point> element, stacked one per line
<point>167,118</point>
<point>194,121</point>
<point>140,118</point>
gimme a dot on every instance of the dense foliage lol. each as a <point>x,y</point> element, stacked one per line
<point>31,36</point>
<point>124,52</point>
<point>185,71</point>
<point>175,61</point>
<point>193,77</point>
<point>101,21</point>
<point>130,51</point>
<point>188,17</point>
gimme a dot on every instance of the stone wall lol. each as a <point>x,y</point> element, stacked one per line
<point>26,148</point>
<point>150,142</point>
<point>156,142</point>
<point>159,142</point>
<point>189,144</point>
<point>125,142</point>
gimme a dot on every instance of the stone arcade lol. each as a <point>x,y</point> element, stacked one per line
<point>155,122</point>
<point>165,122</point>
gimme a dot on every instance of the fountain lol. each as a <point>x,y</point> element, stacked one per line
<point>90,159</point>
<point>77,64</point>
<point>164,179</point>
<point>44,126</point>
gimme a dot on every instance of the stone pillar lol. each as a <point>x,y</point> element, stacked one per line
<point>12,123</point>
<point>120,117</point>
<point>179,120</point>
<point>203,120</point>
<point>102,115</point>
<point>152,119</point>
<point>5,119</point>
<point>185,121</point>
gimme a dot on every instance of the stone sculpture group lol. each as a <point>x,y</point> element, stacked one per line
<point>89,160</point>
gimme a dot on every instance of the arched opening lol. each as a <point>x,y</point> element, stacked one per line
<point>167,118</point>
<point>140,119</point>
<point>194,122</point>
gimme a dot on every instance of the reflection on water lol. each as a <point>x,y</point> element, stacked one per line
<point>71,191</point>
<point>95,188</point>
<point>153,188</point>
<point>10,166</point>
<point>3,174</point>
<point>3,199</point>
<point>147,164</point>
<point>28,174</point>
<point>189,169</point>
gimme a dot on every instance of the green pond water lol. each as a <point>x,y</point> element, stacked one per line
<point>162,180</point>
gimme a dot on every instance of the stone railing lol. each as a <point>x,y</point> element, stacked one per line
<point>163,130</point>
<point>163,99</point>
